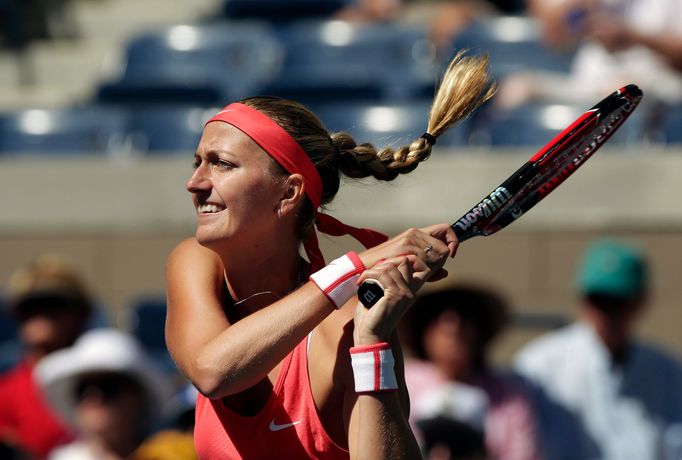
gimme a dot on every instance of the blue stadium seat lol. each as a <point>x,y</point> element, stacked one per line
<point>203,65</point>
<point>513,43</point>
<point>146,321</point>
<point>280,11</point>
<point>168,129</point>
<point>672,125</point>
<point>535,124</point>
<point>10,346</point>
<point>78,130</point>
<point>337,61</point>
<point>395,124</point>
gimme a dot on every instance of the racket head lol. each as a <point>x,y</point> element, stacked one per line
<point>550,166</point>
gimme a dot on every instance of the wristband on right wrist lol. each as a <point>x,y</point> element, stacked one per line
<point>338,279</point>
<point>373,368</point>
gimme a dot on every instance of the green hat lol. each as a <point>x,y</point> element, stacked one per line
<point>612,268</point>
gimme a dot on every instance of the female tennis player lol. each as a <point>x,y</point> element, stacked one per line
<point>287,362</point>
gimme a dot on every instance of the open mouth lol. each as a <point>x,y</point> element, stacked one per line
<point>209,208</point>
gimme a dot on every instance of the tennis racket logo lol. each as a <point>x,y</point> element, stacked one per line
<point>485,208</point>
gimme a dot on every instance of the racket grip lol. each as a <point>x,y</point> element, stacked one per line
<point>369,292</point>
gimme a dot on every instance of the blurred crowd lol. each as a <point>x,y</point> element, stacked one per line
<point>361,64</point>
<point>74,386</point>
<point>79,388</point>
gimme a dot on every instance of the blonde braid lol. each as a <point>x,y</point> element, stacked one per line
<point>464,87</point>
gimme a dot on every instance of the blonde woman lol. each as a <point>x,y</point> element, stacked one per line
<point>287,362</point>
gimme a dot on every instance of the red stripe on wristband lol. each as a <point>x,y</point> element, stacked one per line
<point>338,279</point>
<point>377,370</point>
<point>373,368</point>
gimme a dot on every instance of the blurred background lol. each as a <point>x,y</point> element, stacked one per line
<point>103,101</point>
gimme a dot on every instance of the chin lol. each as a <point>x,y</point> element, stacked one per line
<point>211,239</point>
<point>207,240</point>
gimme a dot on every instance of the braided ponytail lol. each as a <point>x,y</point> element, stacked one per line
<point>465,85</point>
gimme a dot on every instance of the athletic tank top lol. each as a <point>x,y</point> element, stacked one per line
<point>288,427</point>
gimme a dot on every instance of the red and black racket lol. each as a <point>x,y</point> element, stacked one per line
<point>536,179</point>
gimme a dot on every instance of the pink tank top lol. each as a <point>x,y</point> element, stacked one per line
<point>287,427</point>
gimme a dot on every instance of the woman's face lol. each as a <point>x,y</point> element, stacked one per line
<point>233,187</point>
<point>449,343</point>
<point>108,403</point>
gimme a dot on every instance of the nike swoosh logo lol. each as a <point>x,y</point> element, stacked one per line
<point>276,427</point>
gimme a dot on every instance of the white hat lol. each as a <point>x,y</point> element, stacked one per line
<point>458,401</point>
<point>100,350</point>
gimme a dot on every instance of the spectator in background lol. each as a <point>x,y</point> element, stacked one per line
<point>605,395</point>
<point>179,412</point>
<point>108,389</point>
<point>176,440</point>
<point>51,307</point>
<point>370,11</point>
<point>443,438</point>
<point>618,42</point>
<point>451,333</point>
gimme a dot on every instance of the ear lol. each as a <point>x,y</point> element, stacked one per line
<point>293,193</point>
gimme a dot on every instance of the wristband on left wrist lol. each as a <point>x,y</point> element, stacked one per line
<point>373,368</point>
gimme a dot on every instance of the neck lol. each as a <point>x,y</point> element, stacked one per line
<point>610,331</point>
<point>256,279</point>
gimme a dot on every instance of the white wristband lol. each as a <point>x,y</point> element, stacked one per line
<point>338,279</point>
<point>373,368</point>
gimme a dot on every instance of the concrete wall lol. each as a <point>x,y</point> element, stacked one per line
<point>119,218</point>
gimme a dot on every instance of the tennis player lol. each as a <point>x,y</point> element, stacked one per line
<point>287,362</point>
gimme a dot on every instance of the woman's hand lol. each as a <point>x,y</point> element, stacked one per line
<point>378,323</point>
<point>426,249</point>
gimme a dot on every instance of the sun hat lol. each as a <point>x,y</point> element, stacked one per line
<point>50,280</point>
<point>612,268</point>
<point>100,350</point>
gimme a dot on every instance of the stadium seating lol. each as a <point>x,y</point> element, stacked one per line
<point>337,61</point>
<point>146,321</point>
<point>279,11</point>
<point>395,124</point>
<point>10,346</point>
<point>203,64</point>
<point>78,130</point>
<point>535,124</point>
<point>513,43</point>
<point>672,125</point>
<point>168,129</point>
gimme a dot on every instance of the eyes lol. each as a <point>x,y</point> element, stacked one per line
<point>216,163</point>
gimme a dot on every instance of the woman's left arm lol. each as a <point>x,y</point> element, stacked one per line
<point>376,405</point>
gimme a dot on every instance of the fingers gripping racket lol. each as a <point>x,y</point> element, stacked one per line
<point>543,172</point>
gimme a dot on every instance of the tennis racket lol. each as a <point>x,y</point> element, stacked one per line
<point>541,174</point>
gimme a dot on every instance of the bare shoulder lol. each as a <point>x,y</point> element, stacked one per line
<point>336,330</point>
<point>188,249</point>
<point>195,288</point>
<point>191,260</point>
<point>330,351</point>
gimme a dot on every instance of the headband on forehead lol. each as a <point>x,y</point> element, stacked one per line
<point>272,138</point>
<point>288,153</point>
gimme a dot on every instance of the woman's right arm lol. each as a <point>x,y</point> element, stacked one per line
<point>220,358</point>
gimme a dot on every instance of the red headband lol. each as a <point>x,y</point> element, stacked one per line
<point>288,153</point>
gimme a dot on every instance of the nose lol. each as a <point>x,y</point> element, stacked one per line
<point>198,181</point>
